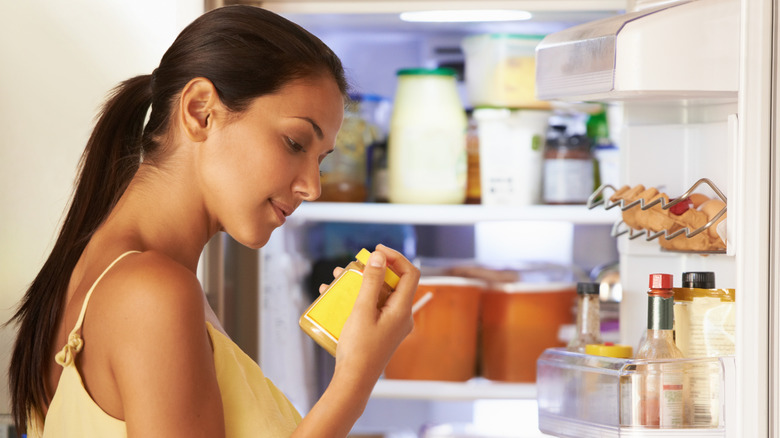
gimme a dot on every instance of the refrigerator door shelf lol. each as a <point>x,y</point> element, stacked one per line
<point>582,396</point>
<point>683,51</point>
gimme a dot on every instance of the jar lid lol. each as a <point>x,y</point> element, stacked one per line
<point>391,278</point>
<point>441,71</point>
<point>701,280</point>
<point>588,288</point>
<point>609,349</point>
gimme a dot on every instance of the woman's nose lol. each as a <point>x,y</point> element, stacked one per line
<point>307,184</point>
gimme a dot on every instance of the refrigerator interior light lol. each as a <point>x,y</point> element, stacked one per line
<point>464,15</point>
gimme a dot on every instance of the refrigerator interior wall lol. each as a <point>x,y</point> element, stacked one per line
<point>670,146</point>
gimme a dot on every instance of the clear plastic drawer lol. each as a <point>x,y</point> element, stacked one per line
<point>583,396</point>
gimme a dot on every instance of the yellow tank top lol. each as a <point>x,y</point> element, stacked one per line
<point>252,405</point>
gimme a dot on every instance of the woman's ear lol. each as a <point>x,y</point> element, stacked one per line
<point>199,100</point>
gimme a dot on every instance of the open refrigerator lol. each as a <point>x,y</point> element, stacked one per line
<point>695,83</point>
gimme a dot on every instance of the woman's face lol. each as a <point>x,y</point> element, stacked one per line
<point>258,168</point>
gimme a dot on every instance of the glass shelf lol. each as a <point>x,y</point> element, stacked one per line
<point>474,389</point>
<point>447,214</point>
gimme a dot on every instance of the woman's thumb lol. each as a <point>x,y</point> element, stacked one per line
<point>373,278</point>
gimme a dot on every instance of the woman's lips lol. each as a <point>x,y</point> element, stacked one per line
<point>281,210</point>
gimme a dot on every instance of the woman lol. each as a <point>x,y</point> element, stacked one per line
<point>115,336</point>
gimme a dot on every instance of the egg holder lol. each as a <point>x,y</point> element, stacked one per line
<point>619,228</point>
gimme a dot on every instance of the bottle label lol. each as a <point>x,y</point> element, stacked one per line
<point>660,313</point>
<point>428,161</point>
<point>330,311</point>
<point>671,399</point>
<point>567,180</point>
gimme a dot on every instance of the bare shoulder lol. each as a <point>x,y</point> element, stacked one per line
<point>146,297</point>
<point>149,318</point>
<point>150,285</point>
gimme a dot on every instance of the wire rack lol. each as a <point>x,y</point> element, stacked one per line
<point>600,197</point>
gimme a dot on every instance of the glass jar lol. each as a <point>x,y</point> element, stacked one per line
<point>344,172</point>
<point>568,167</point>
<point>325,317</point>
<point>427,142</point>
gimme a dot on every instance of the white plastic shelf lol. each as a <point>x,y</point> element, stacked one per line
<point>474,389</point>
<point>447,214</point>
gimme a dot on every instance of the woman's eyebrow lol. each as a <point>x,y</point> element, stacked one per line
<point>314,125</point>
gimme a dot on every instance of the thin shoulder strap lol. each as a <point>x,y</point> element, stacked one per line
<point>80,321</point>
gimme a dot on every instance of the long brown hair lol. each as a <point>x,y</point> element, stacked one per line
<point>246,52</point>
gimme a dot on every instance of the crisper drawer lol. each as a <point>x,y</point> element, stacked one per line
<point>582,396</point>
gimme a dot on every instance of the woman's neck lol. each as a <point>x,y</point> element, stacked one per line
<point>161,210</point>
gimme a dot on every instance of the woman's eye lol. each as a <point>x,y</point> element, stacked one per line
<point>295,146</point>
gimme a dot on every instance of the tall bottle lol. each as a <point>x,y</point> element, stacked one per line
<point>588,318</point>
<point>661,394</point>
<point>700,314</point>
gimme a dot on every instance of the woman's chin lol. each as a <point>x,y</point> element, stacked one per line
<point>254,242</point>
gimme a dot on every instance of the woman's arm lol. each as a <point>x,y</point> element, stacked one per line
<point>367,341</point>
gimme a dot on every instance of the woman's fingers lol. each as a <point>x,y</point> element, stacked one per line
<point>373,280</point>
<point>408,273</point>
<point>336,272</point>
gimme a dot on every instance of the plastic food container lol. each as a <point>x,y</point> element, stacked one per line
<point>511,147</point>
<point>443,343</point>
<point>501,70</point>
<point>520,321</point>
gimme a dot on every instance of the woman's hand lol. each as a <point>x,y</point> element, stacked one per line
<point>370,334</point>
<point>368,340</point>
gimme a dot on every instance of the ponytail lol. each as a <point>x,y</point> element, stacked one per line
<point>111,158</point>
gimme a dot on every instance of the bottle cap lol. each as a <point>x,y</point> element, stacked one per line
<point>588,288</point>
<point>699,280</point>
<point>391,278</point>
<point>660,281</point>
<point>609,349</point>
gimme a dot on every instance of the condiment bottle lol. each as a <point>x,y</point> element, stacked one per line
<point>568,167</point>
<point>473,177</point>
<point>704,321</point>
<point>427,140</point>
<point>325,318</point>
<point>704,317</point>
<point>661,392</point>
<point>588,317</point>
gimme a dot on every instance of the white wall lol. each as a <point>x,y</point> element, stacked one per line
<point>58,60</point>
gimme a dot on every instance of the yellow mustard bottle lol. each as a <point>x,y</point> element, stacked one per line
<point>325,317</point>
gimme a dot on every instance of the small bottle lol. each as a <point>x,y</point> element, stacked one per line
<point>473,177</point>
<point>325,318</point>
<point>588,317</point>
<point>661,395</point>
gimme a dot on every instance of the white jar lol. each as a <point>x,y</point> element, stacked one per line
<point>427,142</point>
